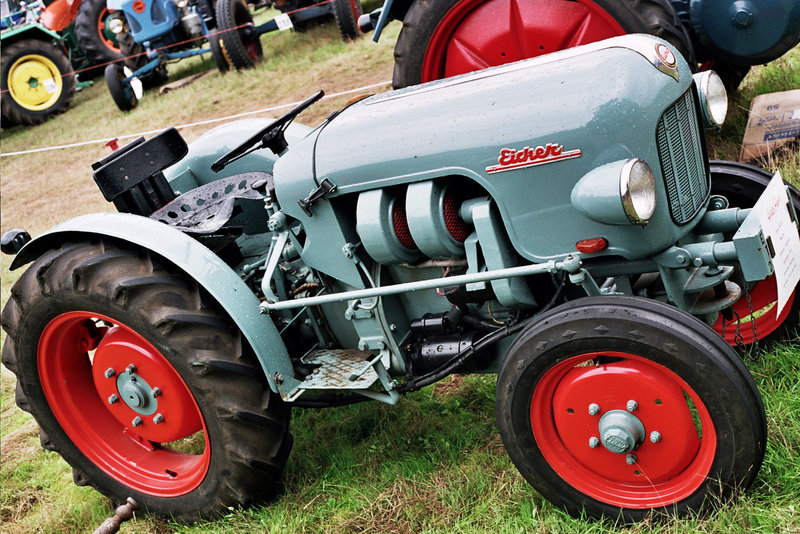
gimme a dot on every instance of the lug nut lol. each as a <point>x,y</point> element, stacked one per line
<point>632,405</point>
<point>110,372</point>
<point>158,419</point>
<point>655,436</point>
<point>155,392</point>
<point>630,459</point>
<point>131,368</point>
<point>113,399</point>
<point>594,409</point>
<point>137,421</point>
<point>594,442</point>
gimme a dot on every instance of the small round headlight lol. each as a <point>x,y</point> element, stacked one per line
<point>637,188</point>
<point>713,97</point>
<point>181,3</point>
<point>116,25</point>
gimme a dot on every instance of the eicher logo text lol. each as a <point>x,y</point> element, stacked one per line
<point>511,159</point>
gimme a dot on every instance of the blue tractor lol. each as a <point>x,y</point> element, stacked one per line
<point>152,32</point>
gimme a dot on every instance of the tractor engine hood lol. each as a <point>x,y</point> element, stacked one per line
<point>526,132</point>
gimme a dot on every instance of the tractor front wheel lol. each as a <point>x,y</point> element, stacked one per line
<point>620,407</point>
<point>141,383</point>
<point>37,82</point>
<point>122,93</point>
<point>240,41</point>
<point>443,38</point>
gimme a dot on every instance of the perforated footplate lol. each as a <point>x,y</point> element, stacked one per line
<point>339,369</point>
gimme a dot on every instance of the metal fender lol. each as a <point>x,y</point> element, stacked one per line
<point>195,260</point>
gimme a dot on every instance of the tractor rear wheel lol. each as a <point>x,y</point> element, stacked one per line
<point>95,39</point>
<point>139,380</point>
<point>346,13</point>
<point>755,316</point>
<point>442,38</point>
<point>620,407</point>
<point>36,82</point>
<point>242,46</point>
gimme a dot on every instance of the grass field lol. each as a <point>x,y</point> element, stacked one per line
<point>435,463</point>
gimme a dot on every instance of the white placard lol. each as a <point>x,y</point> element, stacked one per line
<point>778,227</point>
<point>284,22</point>
<point>50,85</point>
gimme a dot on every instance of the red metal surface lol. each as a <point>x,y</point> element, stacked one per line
<point>59,14</point>
<point>665,472</point>
<point>476,34</point>
<point>76,389</point>
<point>591,245</point>
<point>762,296</point>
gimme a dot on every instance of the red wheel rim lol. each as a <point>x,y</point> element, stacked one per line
<point>101,27</point>
<point>764,316</point>
<point>476,34</point>
<point>73,355</point>
<point>665,472</point>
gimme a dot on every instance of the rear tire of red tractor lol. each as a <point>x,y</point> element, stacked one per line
<point>622,407</point>
<point>36,82</point>
<point>242,46</point>
<point>98,43</point>
<point>346,13</point>
<point>442,38</point>
<point>141,383</point>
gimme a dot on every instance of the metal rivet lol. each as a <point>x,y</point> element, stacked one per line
<point>594,442</point>
<point>110,372</point>
<point>655,436</point>
<point>158,418</point>
<point>630,459</point>
<point>278,378</point>
<point>594,409</point>
<point>112,399</point>
<point>155,392</point>
<point>632,405</point>
<point>137,421</point>
<point>131,368</point>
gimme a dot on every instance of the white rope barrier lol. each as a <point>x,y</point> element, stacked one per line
<point>199,123</point>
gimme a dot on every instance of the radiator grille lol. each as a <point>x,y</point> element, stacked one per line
<point>682,163</point>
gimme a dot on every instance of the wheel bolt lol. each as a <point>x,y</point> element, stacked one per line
<point>137,421</point>
<point>594,409</point>
<point>594,442</point>
<point>655,436</point>
<point>110,372</point>
<point>632,405</point>
<point>155,392</point>
<point>113,399</point>
<point>630,459</point>
<point>158,419</point>
<point>131,368</point>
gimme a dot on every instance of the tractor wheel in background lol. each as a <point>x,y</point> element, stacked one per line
<point>242,46</point>
<point>37,82</point>
<point>218,53</point>
<point>616,406</point>
<point>346,13</point>
<point>142,384</point>
<point>742,184</point>
<point>442,38</point>
<point>95,39</point>
<point>123,94</point>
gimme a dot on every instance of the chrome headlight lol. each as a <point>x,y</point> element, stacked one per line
<point>116,25</point>
<point>637,188</point>
<point>181,3</point>
<point>713,98</point>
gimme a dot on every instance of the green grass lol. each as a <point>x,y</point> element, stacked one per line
<point>434,463</point>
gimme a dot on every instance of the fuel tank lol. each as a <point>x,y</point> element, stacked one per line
<point>526,133</point>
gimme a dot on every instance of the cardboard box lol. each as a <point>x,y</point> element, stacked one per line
<point>773,127</point>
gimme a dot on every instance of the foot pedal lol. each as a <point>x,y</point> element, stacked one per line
<point>340,369</point>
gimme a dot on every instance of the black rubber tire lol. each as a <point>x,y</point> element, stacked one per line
<point>218,53</point>
<point>654,17</point>
<point>247,425</point>
<point>242,47</point>
<point>742,185</point>
<point>346,13</point>
<point>660,334</point>
<point>13,111</point>
<point>91,42</point>
<point>123,96</point>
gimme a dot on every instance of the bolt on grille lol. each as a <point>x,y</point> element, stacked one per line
<point>682,163</point>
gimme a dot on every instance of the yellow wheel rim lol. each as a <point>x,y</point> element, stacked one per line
<point>34,82</point>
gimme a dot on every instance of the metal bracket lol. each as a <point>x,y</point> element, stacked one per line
<point>325,187</point>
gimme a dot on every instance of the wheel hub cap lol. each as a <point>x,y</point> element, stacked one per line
<point>620,431</point>
<point>135,392</point>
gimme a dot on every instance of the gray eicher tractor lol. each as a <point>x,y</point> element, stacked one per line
<point>497,222</point>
